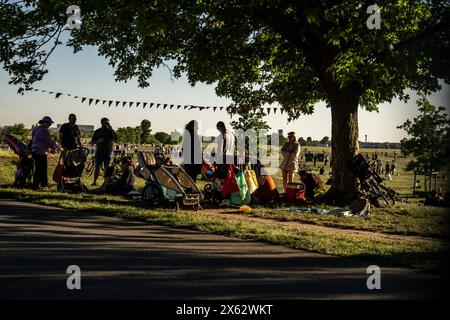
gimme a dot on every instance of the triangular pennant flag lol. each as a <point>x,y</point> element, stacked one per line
<point>214,108</point>
<point>117,103</point>
<point>137,104</point>
<point>268,110</point>
<point>51,92</point>
<point>171,106</point>
<point>124,103</point>
<point>281,110</point>
<point>68,94</point>
<point>157,105</point>
<point>131,103</point>
<point>184,107</point>
<point>165,106</point>
<point>58,94</point>
<point>83,99</point>
<point>43,90</point>
<point>109,103</point>
<point>104,101</point>
<point>36,89</point>
<point>221,108</point>
<point>274,110</point>
<point>151,105</point>
<point>145,104</point>
<point>90,101</point>
<point>96,101</point>
<point>201,108</point>
<point>76,97</point>
<point>179,106</point>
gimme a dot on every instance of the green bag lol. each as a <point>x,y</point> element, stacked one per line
<point>243,196</point>
<point>236,200</point>
<point>242,184</point>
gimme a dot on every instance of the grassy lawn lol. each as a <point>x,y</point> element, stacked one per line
<point>404,219</point>
<point>425,250</point>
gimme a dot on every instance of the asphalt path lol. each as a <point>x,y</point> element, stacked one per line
<point>122,259</point>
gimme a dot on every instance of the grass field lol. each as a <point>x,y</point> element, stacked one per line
<point>410,234</point>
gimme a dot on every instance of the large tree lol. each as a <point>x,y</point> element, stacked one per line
<point>295,53</point>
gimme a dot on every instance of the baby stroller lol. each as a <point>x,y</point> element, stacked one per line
<point>25,165</point>
<point>167,185</point>
<point>67,174</point>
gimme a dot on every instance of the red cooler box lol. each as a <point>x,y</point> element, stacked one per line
<point>295,192</point>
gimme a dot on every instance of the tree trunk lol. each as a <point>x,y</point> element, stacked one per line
<point>344,144</point>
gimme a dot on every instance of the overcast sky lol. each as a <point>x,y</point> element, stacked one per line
<point>87,74</point>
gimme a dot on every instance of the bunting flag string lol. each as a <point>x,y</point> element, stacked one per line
<point>263,110</point>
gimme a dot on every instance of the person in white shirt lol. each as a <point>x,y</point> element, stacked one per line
<point>225,145</point>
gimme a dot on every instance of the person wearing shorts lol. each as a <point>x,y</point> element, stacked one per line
<point>104,139</point>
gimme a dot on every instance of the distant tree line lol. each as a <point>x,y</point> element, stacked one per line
<point>142,135</point>
<point>17,129</point>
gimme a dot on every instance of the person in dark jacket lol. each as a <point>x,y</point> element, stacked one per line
<point>69,134</point>
<point>192,151</point>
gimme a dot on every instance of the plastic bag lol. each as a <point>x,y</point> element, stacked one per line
<point>229,184</point>
<point>250,179</point>
<point>236,199</point>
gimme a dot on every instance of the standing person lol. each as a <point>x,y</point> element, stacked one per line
<point>41,143</point>
<point>379,166</point>
<point>104,138</point>
<point>393,167</point>
<point>325,159</point>
<point>225,145</point>
<point>69,134</point>
<point>192,151</point>
<point>315,159</point>
<point>289,165</point>
<point>387,168</point>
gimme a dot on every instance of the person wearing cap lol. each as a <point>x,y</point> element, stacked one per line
<point>41,145</point>
<point>289,164</point>
<point>69,134</point>
<point>104,138</point>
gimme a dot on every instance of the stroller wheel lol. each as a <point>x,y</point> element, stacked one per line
<point>207,191</point>
<point>196,207</point>
<point>174,206</point>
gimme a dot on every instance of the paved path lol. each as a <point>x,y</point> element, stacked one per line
<point>128,260</point>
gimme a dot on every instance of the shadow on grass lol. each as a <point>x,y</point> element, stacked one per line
<point>434,261</point>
